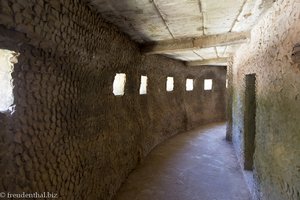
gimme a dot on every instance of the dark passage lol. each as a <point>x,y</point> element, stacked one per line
<point>249,121</point>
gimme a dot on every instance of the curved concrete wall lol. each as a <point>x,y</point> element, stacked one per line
<point>277,143</point>
<point>69,134</point>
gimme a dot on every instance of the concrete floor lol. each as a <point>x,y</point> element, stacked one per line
<point>196,165</point>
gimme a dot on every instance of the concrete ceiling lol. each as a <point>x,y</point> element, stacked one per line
<point>177,24</point>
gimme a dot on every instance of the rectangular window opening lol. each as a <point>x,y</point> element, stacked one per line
<point>7,60</point>
<point>143,86</point>
<point>208,84</point>
<point>119,84</point>
<point>170,84</point>
<point>189,85</point>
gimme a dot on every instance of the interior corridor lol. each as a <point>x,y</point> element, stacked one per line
<point>195,165</point>
<point>110,99</point>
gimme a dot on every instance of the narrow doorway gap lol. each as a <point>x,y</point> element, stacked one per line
<point>249,121</point>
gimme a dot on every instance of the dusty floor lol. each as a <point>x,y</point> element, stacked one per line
<point>196,165</point>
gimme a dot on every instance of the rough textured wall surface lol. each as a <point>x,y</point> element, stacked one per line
<point>229,99</point>
<point>213,102</point>
<point>268,55</point>
<point>69,134</point>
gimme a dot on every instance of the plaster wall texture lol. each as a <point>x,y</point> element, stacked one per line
<point>69,134</point>
<point>277,142</point>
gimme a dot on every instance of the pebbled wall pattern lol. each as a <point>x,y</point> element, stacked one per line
<point>69,134</point>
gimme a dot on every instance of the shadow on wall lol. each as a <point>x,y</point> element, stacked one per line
<point>69,134</point>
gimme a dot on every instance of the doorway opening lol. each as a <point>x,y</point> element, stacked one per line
<point>249,121</point>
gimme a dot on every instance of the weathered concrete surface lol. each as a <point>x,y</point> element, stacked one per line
<point>213,102</point>
<point>69,134</point>
<point>160,20</point>
<point>229,99</point>
<point>198,164</point>
<point>277,154</point>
